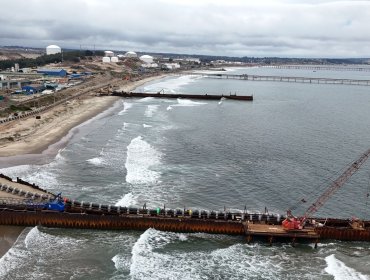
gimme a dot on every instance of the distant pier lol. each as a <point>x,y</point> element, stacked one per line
<point>321,67</point>
<point>288,79</point>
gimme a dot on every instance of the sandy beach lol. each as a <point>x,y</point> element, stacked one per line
<point>33,136</point>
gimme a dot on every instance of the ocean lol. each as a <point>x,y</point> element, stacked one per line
<point>285,146</point>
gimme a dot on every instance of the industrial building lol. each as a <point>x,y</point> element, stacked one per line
<point>53,72</point>
<point>32,89</point>
<point>53,49</point>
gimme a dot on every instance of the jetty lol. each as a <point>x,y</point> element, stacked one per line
<point>19,206</point>
<point>182,95</point>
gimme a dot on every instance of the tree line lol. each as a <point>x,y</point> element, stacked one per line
<point>71,56</point>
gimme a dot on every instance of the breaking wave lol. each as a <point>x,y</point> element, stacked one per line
<point>150,110</point>
<point>127,200</point>
<point>152,259</point>
<point>171,85</point>
<point>340,271</point>
<point>97,161</point>
<point>187,103</point>
<point>126,107</point>
<point>141,158</point>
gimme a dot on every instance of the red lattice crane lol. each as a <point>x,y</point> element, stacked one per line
<point>293,223</point>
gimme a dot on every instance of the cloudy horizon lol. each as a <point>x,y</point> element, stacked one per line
<point>282,28</point>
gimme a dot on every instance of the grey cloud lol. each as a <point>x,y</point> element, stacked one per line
<point>278,28</point>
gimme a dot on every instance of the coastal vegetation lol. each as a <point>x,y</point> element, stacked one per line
<point>71,56</point>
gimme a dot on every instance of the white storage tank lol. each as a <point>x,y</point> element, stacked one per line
<point>146,58</point>
<point>109,53</point>
<point>106,59</point>
<point>53,49</point>
<point>130,54</point>
<point>114,59</point>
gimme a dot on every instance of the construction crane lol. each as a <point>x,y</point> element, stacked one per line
<point>298,223</point>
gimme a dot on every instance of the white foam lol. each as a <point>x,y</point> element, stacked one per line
<point>141,157</point>
<point>340,271</point>
<point>221,100</point>
<point>150,110</point>
<point>31,236</point>
<point>98,161</point>
<point>12,259</point>
<point>59,156</point>
<point>15,171</point>
<point>183,237</point>
<point>127,200</point>
<point>146,99</point>
<point>121,263</point>
<point>34,253</point>
<point>147,125</point>
<point>187,103</point>
<point>171,85</point>
<point>151,260</point>
<point>169,108</point>
<point>125,125</point>
<point>126,107</point>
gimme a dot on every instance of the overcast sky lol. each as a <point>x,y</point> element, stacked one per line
<point>285,28</point>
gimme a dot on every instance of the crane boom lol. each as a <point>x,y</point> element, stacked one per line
<point>335,185</point>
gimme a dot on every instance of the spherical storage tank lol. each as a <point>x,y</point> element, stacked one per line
<point>53,49</point>
<point>146,58</point>
<point>130,54</point>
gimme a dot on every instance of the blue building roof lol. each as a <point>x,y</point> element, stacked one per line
<point>33,88</point>
<point>53,72</point>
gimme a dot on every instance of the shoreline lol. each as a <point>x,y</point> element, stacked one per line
<point>41,140</point>
<point>64,121</point>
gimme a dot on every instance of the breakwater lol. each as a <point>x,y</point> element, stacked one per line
<point>181,95</point>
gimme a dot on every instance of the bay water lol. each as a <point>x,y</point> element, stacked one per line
<point>285,146</point>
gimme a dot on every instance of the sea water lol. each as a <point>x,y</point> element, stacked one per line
<point>285,146</point>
